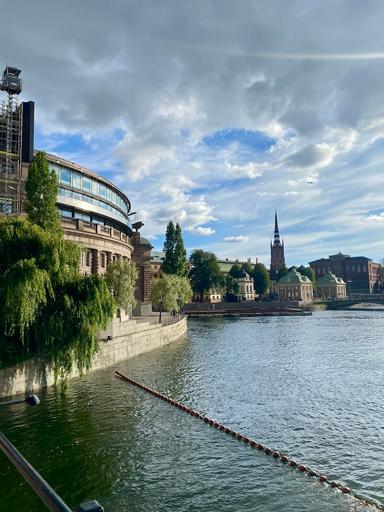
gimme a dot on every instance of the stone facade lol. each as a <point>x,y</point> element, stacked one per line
<point>331,287</point>
<point>127,339</point>
<point>246,287</point>
<point>294,286</point>
<point>360,274</point>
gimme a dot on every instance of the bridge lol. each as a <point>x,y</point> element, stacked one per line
<point>356,300</point>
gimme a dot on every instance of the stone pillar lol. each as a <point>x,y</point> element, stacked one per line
<point>146,282</point>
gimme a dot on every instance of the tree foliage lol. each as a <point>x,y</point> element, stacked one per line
<point>47,309</point>
<point>231,289</point>
<point>307,271</point>
<point>236,271</point>
<point>205,272</point>
<point>121,277</point>
<point>170,292</point>
<point>281,273</point>
<point>42,188</point>
<point>175,255</point>
<point>261,278</point>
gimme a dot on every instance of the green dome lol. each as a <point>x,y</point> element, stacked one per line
<point>330,278</point>
<point>294,277</point>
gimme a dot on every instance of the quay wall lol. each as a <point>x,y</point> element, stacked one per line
<point>128,339</point>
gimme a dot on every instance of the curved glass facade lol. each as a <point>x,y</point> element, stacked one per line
<point>88,198</point>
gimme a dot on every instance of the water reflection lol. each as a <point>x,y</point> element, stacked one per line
<point>310,386</point>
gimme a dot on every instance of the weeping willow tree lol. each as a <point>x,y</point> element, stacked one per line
<point>47,309</point>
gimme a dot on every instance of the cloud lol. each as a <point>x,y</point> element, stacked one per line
<point>311,156</point>
<point>202,231</point>
<point>235,239</point>
<point>137,101</point>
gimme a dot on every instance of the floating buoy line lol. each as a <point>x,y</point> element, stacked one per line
<point>284,459</point>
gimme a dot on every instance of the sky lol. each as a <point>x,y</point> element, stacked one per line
<point>214,113</point>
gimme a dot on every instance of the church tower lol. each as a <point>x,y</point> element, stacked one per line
<point>277,251</point>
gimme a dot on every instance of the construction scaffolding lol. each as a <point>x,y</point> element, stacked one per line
<point>10,142</point>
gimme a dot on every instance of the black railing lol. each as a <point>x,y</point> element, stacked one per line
<point>43,490</point>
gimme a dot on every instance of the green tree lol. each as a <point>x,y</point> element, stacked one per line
<point>236,271</point>
<point>261,278</point>
<point>231,289</point>
<point>121,277</point>
<point>281,273</point>
<point>205,272</point>
<point>181,262</point>
<point>169,263</point>
<point>307,271</point>
<point>248,267</point>
<point>175,255</point>
<point>42,189</point>
<point>47,309</point>
<point>170,293</point>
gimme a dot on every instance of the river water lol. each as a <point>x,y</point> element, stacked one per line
<point>308,386</point>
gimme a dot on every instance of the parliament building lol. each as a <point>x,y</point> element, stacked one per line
<point>94,212</point>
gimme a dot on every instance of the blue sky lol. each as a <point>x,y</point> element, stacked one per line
<point>214,114</point>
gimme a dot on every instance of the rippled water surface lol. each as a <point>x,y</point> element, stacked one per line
<point>308,386</point>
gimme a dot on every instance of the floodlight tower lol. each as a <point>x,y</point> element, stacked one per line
<point>10,141</point>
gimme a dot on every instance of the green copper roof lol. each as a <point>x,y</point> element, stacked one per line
<point>330,278</point>
<point>294,277</point>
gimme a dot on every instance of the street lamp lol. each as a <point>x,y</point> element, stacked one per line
<point>45,492</point>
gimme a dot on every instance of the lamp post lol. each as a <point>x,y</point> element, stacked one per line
<point>45,492</point>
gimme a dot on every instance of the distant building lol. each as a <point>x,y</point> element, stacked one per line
<point>246,287</point>
<point>331,287</point>
<point>360,274</point>
<point>294,286</point>
<point>212,296</point>
<point>227,264</point>
<point>156,262</point>
<point>277,251</point>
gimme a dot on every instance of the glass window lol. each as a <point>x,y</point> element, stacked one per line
<point>76,195</point>
<point>88,199</point>
<point>76,180</point>
<point>86,184</point>
<point>65,176</point>
<point>66,213</point>
<point>55,169</point>
<point>109,194</point>
<point>102,190</point>
<point>95,187</point>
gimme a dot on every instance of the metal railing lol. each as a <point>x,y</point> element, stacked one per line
<point>43,490</point>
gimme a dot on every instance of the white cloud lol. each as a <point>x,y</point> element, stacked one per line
<point>202,231</point>
<point>235,239</point>
<point>164,82</point>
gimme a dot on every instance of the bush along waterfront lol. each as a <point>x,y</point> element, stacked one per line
<point>48,310</point>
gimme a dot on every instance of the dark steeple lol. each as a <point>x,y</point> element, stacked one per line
<point>277,250</point>
<point>276,235</point>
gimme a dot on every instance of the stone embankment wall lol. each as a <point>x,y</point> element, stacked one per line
<point>129,338</point>
<point>239,306</point>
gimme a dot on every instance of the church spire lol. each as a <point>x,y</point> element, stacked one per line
<point>276,235</point>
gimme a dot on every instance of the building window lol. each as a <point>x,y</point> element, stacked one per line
<point>86,184</point>
<point>76,180</point>
<point>103,260</point>
<point>65,176</point>
<point>86,258</point>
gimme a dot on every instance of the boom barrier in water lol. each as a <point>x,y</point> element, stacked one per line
<point>284,459</point>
